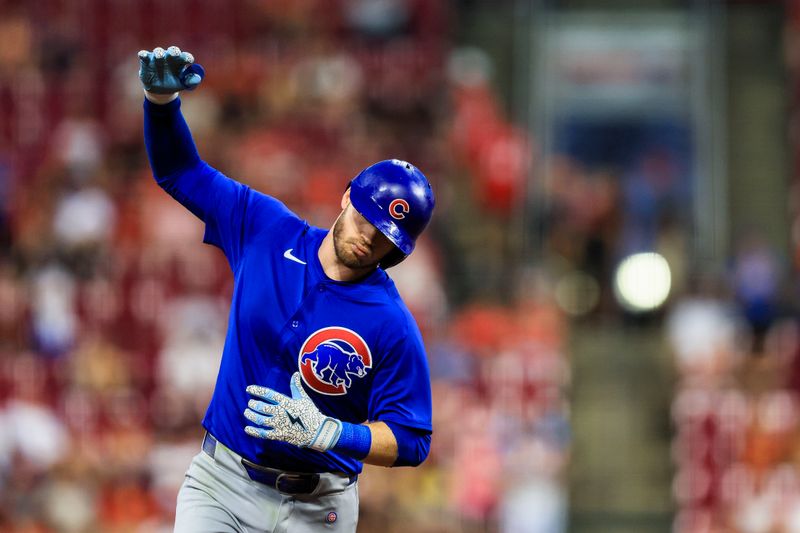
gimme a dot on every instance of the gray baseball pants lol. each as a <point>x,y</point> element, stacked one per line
<point>217,496</point>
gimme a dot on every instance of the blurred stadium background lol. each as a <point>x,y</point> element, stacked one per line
<point>576,147</point>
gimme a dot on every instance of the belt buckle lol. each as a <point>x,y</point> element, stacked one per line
<point>287,483</point>
<point>278,480</point>
<point>288,487</point>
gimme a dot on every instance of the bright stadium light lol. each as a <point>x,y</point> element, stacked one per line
<point>642,282</point>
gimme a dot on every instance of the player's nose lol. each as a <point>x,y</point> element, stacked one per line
<point>368,234</point>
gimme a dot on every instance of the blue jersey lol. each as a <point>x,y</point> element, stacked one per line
<point>359,350</point>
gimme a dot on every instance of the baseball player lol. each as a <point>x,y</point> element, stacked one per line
<point>323,367</point>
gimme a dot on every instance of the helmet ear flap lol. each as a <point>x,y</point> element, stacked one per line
<point>392,258</point>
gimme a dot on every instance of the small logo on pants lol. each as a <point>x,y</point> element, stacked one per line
<point>331,518</point>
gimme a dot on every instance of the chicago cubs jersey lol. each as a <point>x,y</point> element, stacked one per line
<point>359,350</point>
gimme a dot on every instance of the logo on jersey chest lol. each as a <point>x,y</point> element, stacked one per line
<point>331,358</point>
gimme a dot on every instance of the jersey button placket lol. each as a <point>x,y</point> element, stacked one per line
<point>294,331</point>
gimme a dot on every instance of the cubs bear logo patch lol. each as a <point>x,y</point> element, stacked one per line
<point>331,358</point>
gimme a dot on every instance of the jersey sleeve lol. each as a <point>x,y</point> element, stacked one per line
<point>236,215</point>
<point>401,387</point>
<point>233,212</point>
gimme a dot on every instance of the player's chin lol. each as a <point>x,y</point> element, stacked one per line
<point>362,263</point>
<point>356,262</point>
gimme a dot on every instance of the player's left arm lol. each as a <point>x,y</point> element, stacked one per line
<point>397,445</point>
<point>383,449</point>
<point>298,421</point>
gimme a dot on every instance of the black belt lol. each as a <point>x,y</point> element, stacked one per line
<point>285,482</point>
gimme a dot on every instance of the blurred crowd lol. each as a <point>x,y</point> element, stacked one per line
<point>735,339</point>
<point>113,314</point>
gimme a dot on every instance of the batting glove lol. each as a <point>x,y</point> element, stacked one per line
<point>295,420</point>
<point>168,71</point>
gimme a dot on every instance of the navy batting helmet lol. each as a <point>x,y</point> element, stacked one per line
<point>395,197</point>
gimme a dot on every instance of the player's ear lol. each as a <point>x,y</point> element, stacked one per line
<point>346,198</point>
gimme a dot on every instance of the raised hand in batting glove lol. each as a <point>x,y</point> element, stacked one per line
<point>295,420</point>
<point>168,71</point>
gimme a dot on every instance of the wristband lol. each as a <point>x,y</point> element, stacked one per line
<point>354,441</point>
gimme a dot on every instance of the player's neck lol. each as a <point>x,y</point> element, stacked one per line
<point>334,268</point>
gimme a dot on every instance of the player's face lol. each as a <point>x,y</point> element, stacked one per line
<point>357,243</point>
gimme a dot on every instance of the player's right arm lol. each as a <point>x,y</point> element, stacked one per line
<point>164,73</point>
<point>226,206</point>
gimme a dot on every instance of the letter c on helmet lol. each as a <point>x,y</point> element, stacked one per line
<point>398,208</point>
